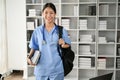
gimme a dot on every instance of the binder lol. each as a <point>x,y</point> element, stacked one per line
<point>35,58</point>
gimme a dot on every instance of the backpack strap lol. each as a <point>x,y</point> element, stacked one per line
<point>60,30</point>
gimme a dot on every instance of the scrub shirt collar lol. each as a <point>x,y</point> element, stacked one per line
<point>43,31</point>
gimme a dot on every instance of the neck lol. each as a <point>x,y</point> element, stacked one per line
<point>49,26</point>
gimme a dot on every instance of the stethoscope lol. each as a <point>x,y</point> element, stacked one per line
<point>43,34</point>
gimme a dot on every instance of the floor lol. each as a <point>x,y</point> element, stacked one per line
<point>16,75</point>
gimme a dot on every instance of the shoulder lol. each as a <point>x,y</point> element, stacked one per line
<point>61,27</point>
<point>64,30</point>
<point>39,29</point>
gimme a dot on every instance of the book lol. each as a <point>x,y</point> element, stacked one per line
<point>104,9</point>
<point>102,40</point>
<point>32,12</point>
<point>35,57</point>
<point>76,10</point>
<point>83,24</point>
<point>86,38</point>
<point>101,63</point>
<point>30,25</point>
<point>92,10</point>
<point>65,23</point>
<point>36,21</point>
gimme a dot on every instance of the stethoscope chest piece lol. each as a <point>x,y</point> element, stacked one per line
<point>43,42</point>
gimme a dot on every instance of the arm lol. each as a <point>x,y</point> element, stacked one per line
<point>34,46</point>
<point>65,45</point>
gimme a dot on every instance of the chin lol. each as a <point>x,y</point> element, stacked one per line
<point>50,22</point>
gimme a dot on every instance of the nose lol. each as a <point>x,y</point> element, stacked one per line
<point>49,15</point>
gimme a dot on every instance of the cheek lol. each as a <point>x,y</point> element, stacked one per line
<point>44,17</point>
<point>53,15</point>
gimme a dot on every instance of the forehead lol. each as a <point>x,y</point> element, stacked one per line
<point>48,9</point>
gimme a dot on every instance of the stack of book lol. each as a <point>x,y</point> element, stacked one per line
<point>85,50</point>
<point>30,25</point>
<point>102,40</point>
<point>84,62</point>
<point>65,23</point>
<point>101,63</point>
<point>83,24</point>
<point>118,63</point>
<point>104,9</point>
<point>102,25</point>
<point>32,12</point>
<point>86,38</point>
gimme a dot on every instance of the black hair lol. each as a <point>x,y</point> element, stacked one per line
<point>50,5</point>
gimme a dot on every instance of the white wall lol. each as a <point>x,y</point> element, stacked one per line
<point>3,38</point>
<point>16,33</point>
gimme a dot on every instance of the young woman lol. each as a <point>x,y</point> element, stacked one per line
<point>45,39</point>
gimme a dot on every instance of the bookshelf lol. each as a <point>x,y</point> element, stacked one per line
<point>94,29</point>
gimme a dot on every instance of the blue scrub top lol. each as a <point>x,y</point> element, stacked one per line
<point>50,61</point>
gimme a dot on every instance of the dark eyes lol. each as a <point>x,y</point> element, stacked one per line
<point>49,12</point>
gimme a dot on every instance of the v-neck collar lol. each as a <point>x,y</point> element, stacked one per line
<point>51,31</point>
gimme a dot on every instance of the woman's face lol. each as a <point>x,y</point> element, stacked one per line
<point>49,15</point>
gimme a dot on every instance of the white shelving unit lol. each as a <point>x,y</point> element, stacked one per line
<point>94,29</point>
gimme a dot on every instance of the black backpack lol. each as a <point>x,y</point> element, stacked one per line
<point>67,55</point>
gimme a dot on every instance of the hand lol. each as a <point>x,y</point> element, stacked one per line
<point>30,62</point>
<point>61,41</point>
